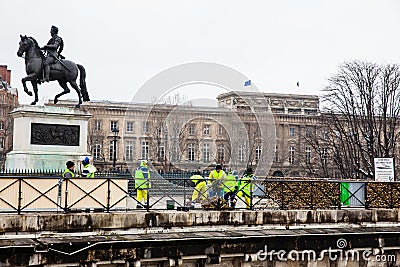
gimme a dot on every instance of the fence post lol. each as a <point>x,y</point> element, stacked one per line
<point>281,183</point>
<point>252,186</point>
<point>66,195</point>
<point>312,195</point>
<point>59,194</point>
<point>108,193</point>
<point>148,192</point>
<point>184,192</point>
<point>366,201</point>
<point>19,195</point>
<point>339,200</point>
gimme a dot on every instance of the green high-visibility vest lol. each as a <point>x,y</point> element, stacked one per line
<point>142,179</point>
<point>68,170</point>
<point>230,183</point>
<point>245,185</point>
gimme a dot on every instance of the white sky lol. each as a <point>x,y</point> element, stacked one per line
<point>123,43</point>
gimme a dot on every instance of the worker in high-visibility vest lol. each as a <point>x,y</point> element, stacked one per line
<point>142,183</point>
<point>88,169</point>
<point>216,181</point>
<point>200,187</point>
<point>246,186</point>
<point>230,188</point>
<point>69,172</point>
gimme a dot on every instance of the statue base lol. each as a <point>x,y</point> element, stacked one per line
<point>46,137</point>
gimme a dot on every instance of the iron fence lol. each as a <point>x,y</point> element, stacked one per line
<point>46,191</point>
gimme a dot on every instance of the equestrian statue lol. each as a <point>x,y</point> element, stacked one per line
<point>47,64</point>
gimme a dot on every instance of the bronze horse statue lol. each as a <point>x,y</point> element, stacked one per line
<point>64,72</point>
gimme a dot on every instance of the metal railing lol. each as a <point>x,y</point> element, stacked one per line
<point>108,192</point>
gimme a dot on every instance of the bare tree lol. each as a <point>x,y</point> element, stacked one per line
<point>164,120</point>
<point>10,101</point>
<point>7,138</point>
<point>96,136</point>
<point>320,144</point>
<point>361,115</point>
<point>155,133</point>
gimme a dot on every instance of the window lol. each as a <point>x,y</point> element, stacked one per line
<point>113,147</point>
<point>191,129</point>
<point>129,150</point>
<point>207,129</point>
<point>145,150</point>
<point>97,151</point>
<point>97,125</point>
<point>161,153</point>
<point>129,126</point>
<point>292,150</point>
<point>276,158</point>
<point>324,156</point>
<point>220,153</point>
<point>292,132</point>
<point>308,132</point>
<point>145,127</point>
<point>242,153</point>
<point>206,152</point>
<point>324,134</point>
<point>308,154</point>
<point>1,125</point>
<point>1,142</point>
<point>258,153</point>
<point>191,152</point>
<point>220,130</point>
<point>113,125</point>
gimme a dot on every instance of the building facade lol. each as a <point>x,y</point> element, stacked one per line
<point>295,116</point>
<point>191,137</point>
<point>8,101</point>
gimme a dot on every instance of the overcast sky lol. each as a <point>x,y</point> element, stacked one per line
<point>274,43</point>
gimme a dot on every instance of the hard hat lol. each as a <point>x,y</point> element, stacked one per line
<point>85,161</point>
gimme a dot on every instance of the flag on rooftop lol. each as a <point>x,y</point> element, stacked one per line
<point>247,83</point>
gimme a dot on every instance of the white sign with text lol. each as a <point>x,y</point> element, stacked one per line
<point>384,169</point>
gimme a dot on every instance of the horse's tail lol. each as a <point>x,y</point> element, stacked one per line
<point>82,83</point>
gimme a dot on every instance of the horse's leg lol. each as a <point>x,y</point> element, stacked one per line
<point>64,85</point>
<point>30,77</point>
<point>78,91</point>
<point>35,90</point>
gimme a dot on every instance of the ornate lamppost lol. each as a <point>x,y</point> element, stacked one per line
<point>115,132</point>
<point>165,149</point>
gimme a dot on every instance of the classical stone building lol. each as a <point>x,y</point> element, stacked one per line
<point>190,137</point>
<point>295,116</point>
<point>8,101</point>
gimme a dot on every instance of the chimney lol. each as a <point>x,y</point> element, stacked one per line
<point>5,74</point>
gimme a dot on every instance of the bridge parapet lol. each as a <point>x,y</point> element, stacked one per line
<point>92,222</point>
<point>199,238</point>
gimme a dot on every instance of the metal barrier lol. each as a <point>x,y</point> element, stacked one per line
<point>20,194</point>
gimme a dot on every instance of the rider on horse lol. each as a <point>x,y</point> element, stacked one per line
<point>53,48</point>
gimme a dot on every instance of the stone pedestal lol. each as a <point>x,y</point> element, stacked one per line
<point>46,137</point>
